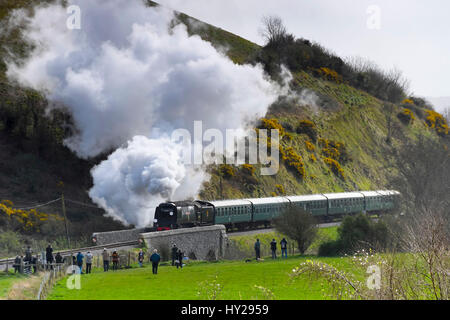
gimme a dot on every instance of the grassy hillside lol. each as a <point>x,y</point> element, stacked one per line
<point>336,143</point>
<point>341,113</point>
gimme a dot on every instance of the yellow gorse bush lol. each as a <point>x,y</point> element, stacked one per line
<point>335,167</point>
<point>437,121</point>
<point>408,101</point>
<point>309,146</point>
<point>280,189</point>
<point>406,116</point>
<point>29,220</point>
<point>248,169</point>
<point>272,124</point>
<point>293,161</point>
<point>329,74</point>
<point>333,149</point>
<point>226,170</point>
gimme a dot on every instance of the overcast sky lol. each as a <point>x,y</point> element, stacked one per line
<point>413,35</point>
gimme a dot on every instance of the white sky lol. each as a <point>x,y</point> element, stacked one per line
<point>414,35</point>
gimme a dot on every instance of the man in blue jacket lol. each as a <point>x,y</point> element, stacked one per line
<point>80,257</point>
<point>155,258</point>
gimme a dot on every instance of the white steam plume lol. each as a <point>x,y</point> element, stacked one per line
<point>124,74</point>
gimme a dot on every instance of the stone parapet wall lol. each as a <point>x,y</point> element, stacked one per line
<point>201,243</point>
<point>118,236</point>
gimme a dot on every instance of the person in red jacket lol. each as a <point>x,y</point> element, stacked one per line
<point>115,260</point>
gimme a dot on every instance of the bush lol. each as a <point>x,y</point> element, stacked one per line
<point>280,189</point>
<point>309,146</point>
<point>356,233</point>
<point>226,171</point>
<point>437,121</point>
<point>10,243</point>
<point>330,248</point>
<point>406,116</point>
<point>335,167</point>
<point>334,150</point>
<point>309,128</point>
<point>293,161</point>
<point>271,124</point>
<point>248,169</point>
<point>328,74</point>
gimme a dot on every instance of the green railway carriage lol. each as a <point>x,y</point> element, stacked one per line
<point>388,199</point>
<point>253,212</point>
<point>231,212</point>
<point>345,203</point>
<point>267,209</point>
<point>315,203</point>
<point>373,201</point>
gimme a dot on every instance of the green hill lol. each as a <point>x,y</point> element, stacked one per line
<point>338,143</point>
<point>355,136</point>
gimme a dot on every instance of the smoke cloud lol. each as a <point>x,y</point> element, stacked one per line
<point>129,80</point>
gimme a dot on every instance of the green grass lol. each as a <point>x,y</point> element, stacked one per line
<point>237,278</point>
<point>246,243</point>
<point>7,280</point>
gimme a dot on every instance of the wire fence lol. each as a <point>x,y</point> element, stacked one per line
<point>57,272</point>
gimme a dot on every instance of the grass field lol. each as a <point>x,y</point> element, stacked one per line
<point>6,282</point>
<point>245,243</point>
<point>237,280</point>
<point>18,286</point>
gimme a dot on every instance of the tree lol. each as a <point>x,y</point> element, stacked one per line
<point>423,174</point>
<point>357,233</point>
<point>298,225</point>
<point>274,31</point>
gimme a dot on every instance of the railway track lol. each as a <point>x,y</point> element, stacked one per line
<point>67,253</point>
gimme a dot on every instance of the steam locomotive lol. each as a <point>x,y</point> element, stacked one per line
<point>251,213</point>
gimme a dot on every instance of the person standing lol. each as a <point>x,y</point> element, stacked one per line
<point>115,260</point>
<point>58,258</point>
<point>141,257</point>
<point>27,260</point>
<point>258,249</point>
<point>17,264</point>
<point>89,258</point>
<point>283,245</point>
<point>273,248</point>
<point>180,256</point>
<point>105,256</point>
<point>174,253</point>
<point>49,256</point>
<point>80,257</point>
<point>155,258</point>
<point>28,254</point>
<point>34,263</point>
